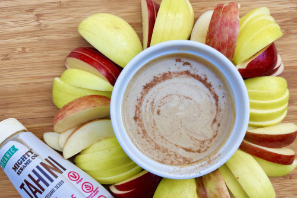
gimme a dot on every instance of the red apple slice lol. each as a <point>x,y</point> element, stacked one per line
<point>143,178</point>
<point>276,67</point>
<point>260,64</point>
<point>214,185</point>
<point>223,29</point>
<point>121,194</point>
<point>91,60</point>
<point>149,14</point>
<point>276,136</point>
<point>233,29</point>
<point>279,70</point>
<point>201,192</point>
<point>81,110</point>
<point>284,156</point>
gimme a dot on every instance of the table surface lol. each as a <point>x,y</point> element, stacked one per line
<point>37,35</point>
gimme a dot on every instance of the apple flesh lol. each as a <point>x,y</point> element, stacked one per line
<point>81,110</point>
<point>142,185</point>
<point>223,29</point>
<point>284,156</point>
<point>276,136</point>
<point>63,137</point>
<point>268,122</point>
<point>214,185</point>
<point>86,135</point>
<point>260,64</point>
<point>149,11</point>
<point>275,170</point>
<point>201,192</point>
<point>112,36</point>
<point>250,175</point>
<point>51,139</point>
<point>92,61</point>
<point>201,26</point>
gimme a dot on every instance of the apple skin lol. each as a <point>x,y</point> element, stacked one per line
<point>214,185</point>
<point>149,15</point>
<point>104,67</point>
<point>142,185</point>
<point>262,64</point>
<point>271,140</point>
<point>268,154</point>
<point>144,178</point>
<point>201,192</point>
<point>81,110</point>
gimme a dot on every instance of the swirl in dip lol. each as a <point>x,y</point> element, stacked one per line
<point>177,110</point>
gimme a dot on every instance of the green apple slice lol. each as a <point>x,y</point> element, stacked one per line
<point>269,122</point>
<point>266,83</point>
<point>256,37</point>
<point>270,104</point>
<point>265,115</point>
<point>266,95</point>
<point>64,93</point>
<point>113,172</point>
<point>100,155</point>
<point>232,183</point>
<point>250,175</point>
<point>112,36</point>
<point>275,170</point>
<point>255,12</point>
<point>173,188</point>
<point>105,164</point>
<point>119,178</point>
<point>102,145</point>
<point>253,20</point>
<point>86,80</point>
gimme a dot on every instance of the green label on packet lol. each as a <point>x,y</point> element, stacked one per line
<point>7,156</point>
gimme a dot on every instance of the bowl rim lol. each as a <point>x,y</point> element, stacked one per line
<point>236,86</point>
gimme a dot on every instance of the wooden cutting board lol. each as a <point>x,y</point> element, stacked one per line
<point>37,35</point>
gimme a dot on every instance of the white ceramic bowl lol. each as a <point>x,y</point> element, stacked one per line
<point>237,89</point>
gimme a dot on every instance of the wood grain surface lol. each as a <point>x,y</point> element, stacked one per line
<point>37,35</point>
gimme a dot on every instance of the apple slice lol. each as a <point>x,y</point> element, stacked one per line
<point>276,136</point>
<point>176,188</point>
<point>259,95</point>
<point>64,93</point>
<point>260,64</point>
<point>201,192</point>
<point>259,34</point>
<point>270,104</point>
<point>201,26</point>
<point>232,183</point>
<point>51,139</point>
<point>284,156</point>
<point>112,36</point>
<point>266,83</point>
<point>122,194</point>
<point>86,135</point>
<point>276,67</point>
<point>86,80</point>
<point>268,122</point>
<point>265,115</point>
<point>254,19</point>
<point>149,11</point>
<point>223,29</point>
<point>119,178</point>
<point>279,70</point>
<point>92,61</point>
<point>105,164</point>
<point>253,13</point>
<point>275,170</point>
<point>100,155</point>
<point>250,175</point>
<point>63,137</point>
<point>81,110</point>
<point>102,145</point>
<point>142,179</point>
<point>214,185</point>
